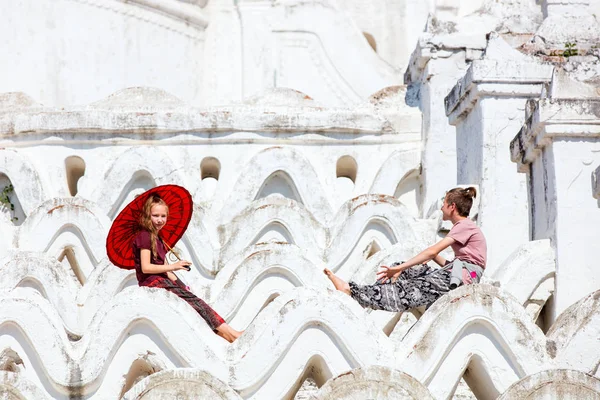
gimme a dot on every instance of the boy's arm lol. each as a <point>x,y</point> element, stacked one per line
<point>441,261</point>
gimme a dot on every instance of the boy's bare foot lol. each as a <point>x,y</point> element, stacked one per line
<point>339,283</point>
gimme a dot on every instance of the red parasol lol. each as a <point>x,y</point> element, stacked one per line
<point>126,226</point>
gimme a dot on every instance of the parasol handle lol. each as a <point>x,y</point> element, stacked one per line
<point>174,253</point>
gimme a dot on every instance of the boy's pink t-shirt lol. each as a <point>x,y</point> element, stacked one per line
<point>469,245</point>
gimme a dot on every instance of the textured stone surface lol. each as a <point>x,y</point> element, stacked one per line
<point>563,384</point>
<point>486,106</point>
<point>288,124</point>
<point>558,148</point>
<point>373,383</point>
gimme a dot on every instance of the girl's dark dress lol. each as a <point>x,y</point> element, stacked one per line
<point>142,241</point>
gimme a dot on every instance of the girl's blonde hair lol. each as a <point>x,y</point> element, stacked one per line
<point>146,221</point>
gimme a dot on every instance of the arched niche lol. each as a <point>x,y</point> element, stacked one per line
<point>75,169</point>
<point>210,167</point>
<point>346,167</point>
<point>10,206</point>
<point>371,41</point>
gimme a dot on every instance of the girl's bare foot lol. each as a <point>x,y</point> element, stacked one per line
<point>339,284</point>
<point>228,333</point>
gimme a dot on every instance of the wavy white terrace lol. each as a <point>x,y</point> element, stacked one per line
<point>479,328</point>
<point>310,134</point>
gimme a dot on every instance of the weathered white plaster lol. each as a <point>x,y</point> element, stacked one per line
<point>441,57</point>
<point>552,384</point>
<point>567,21</point>
<point>373,382</point>
<point>486,106</point>
<point>248,281</point>
<point>528,274</point>
<point>177,46</point>
<point>429,75</point>
<point>14,386</point>
<point>575,329</point>
<point>66,223</point>
<point>596,183</point>
<point>184,384</point>
<point>481,332</point>
<point>338,170</point>
<point>558,149</point>
<point>393,27</point>
<point>301,318</point>
<point>29,191</point>
<point>163,47</point>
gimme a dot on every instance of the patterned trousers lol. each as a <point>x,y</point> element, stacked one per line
<point>211,317</point>
<point>415,287</point>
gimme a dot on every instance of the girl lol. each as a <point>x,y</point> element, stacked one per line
<point>401,287</point>
<point>151,270</point>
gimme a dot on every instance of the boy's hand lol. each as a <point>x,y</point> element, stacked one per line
<point>386,273</point>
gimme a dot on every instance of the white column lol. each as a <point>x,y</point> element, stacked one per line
<point>559,150</point>
<point>431,74</point>
<point>486,106</point>
<point>596,184</point>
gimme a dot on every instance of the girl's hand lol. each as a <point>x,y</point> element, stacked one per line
<point>181,264</point>
<point>386,273</point>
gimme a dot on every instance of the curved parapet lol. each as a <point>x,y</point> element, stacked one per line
<point>264,272</point>
<point>295,328</point>
<point>561,384</point>
<point>362,227</point>
<point>52,279</point>
<point>373,382</point>
<point>397,167</point>
<point>377,212</point>
<point>243,287</point>
<point>574,333</point>
<point>476,331</point>
<point>301,328</point>
<point>476,328</point>
<point>76,304</point>
<point>135,170</point>
<point>531,289</point>
<point>181,384</point>
<point>26,181</point>
<point>13,386</point>
<point>66,223</point>
<point>200,245</point>
<point>283,216</point>
<point>365,272</point>
<point>281,170</point>
<point>170,324</point>
<point>104,282</point>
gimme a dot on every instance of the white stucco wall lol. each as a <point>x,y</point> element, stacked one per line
<point>576,213</point>
<point>62,56</point>
<point>343,170</point>
<point>560,165</point>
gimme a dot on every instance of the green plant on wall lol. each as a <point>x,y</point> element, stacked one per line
<point>570,49</point>
<point>5,199</point>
